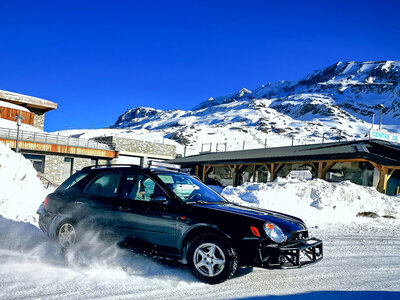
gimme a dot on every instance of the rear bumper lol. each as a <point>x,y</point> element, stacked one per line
<point>294,255</point>
<point>44,220</point>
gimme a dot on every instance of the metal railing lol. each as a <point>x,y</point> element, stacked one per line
<point>46,182</point>
<point>51,138</point>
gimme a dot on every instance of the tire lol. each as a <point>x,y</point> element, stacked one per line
<point>67,235</point>
<point>211,258</point>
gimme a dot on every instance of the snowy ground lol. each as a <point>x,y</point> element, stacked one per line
<point>35,268</point>
<point>361,254</point>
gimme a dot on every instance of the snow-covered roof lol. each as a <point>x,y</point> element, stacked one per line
<point>28,101</point>
<point>13,106</point>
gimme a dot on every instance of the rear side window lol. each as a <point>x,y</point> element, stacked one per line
<point>105,185</point>
<point>72,181</point>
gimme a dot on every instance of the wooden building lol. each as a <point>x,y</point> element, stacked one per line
<point>366,162</point>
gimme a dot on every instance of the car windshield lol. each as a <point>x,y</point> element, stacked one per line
<point>189,189</point>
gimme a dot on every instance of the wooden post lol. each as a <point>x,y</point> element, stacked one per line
<point>233,170</point>
<point>203,177</point>
<point>197,170</point>
<point>206,169</point>
<point>327,167</point>
<point>323,168</point>
<point>383,177</point>
<point>274,170</point>
<point>320,168</point>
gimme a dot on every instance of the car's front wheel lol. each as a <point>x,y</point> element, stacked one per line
<point>212,259</point>
<point>67,234</point>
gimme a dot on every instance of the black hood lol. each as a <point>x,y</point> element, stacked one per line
<point>286,222</point>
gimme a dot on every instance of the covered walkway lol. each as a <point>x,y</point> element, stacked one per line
<point>367,162</point>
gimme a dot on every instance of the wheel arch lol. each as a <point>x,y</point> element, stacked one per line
<point>198,230</point>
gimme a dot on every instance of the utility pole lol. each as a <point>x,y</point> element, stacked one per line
<point>292,140</point>
<point>381,106</point>
<point>243,144</point>
<point>265,143</point>
<point>19,120</point>
<point>340,135</point>
<point>373,121</point>
<point>323,137</point>
<point>184,151</point>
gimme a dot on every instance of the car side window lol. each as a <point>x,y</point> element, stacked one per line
<point>140,187</point>
<point>105,185</point>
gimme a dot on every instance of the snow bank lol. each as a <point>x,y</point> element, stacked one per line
<point>21,192</point>
<point>317,202</point>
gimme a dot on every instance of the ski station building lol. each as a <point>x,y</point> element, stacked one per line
<point>370,162</point>
<point>55,156</point>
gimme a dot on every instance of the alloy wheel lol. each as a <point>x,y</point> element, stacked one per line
<point>66,235</point>
<point>209,259</point>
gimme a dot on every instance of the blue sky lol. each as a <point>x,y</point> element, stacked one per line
<point>98,58</point>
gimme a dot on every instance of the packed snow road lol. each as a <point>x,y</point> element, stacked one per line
<point>31,266</point>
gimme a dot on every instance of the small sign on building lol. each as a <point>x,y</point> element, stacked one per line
<point>384,135</point>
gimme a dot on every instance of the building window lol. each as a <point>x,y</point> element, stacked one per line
<point>37,161</point>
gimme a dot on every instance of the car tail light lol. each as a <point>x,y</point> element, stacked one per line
<point>255,231</point>
<point>45,201</point>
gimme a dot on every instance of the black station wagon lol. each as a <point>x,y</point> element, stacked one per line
<point>174,215</point>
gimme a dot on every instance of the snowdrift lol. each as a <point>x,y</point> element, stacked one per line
<point>21,191</point>
<point>317,202</point>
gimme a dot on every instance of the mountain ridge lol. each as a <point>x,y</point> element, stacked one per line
<point>339,98</point>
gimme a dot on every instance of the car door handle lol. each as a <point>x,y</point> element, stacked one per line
<point>124,208</point>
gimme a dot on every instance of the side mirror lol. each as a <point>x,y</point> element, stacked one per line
<point>159,199</point>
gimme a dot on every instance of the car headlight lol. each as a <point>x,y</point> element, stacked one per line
<point>274,233</point>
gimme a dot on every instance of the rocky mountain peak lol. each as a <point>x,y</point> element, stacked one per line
<point>339,98</point>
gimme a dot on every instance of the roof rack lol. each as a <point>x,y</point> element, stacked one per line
<point>110,166</point>
<point>164,165</point>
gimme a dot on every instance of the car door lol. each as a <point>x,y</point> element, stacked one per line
<point>98,201</point>
<point>143,215</point>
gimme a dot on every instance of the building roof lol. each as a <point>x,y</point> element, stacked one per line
<point>378,151</point>
<point>27,101</point>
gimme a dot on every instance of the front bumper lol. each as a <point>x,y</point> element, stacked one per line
<point>293,255</point>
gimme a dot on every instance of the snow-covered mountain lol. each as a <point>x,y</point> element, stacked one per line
<point>339,99</point>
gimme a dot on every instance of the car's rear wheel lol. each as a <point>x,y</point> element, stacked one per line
<point>67,234</point>
<point>212,259</point>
